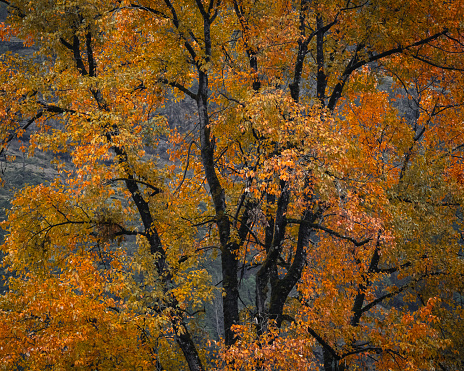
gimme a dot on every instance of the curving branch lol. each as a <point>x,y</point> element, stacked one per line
<point>372,304</point>
<point>331,232</point>
<point>180,87</point>
<point>15,134</point>
<point>324,344</point>
<point>356,63</point>
<point>156,190</point>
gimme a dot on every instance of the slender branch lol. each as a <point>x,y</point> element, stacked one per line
<point>250,51</point>
<point>156,189</point>
<point>186,167</point>
<point>331,232</point>
<point>180,87</point>
<point>216,12</point>
<point>396,292</point>
<point>361,350</point>
<point>202,10</point>
<point>337,91</point>
<point>438,204</point>
<point>45,108</point>
<point>393,269</point>
<point>55,109</point>
<point>303,43</point>
<point>66,44</point>
<point>14,135</point>
<point>208,220</point>
<point>429,62</point>
<point>127,232</point>
<point>232,99</point>
<point>397,50</point>
<point>176,22</point>
<point>354,7</point>
<point>145,8</point>
<point>210,6</point>
<point>321,78</point>
<point>249,230</point>
<point>354,63</point>
<point>67,222</point>
<point>324,343</point>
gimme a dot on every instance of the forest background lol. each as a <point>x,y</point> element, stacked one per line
<point>232,185</point>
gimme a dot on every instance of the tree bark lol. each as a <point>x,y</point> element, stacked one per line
<point>228,254</point>
<point>186,344</point>
<point>331,363</point>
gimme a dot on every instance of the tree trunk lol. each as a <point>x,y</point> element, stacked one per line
<point>187,345</point>
<point>230,300</point>
<point>228,255</point>
<point>331,363</point>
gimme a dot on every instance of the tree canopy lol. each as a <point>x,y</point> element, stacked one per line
<point>320,163</point>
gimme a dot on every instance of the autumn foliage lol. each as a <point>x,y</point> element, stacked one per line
<point>324,165</point>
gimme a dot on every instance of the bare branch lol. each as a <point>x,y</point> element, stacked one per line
<point>331,232</point>
<point>15,134</point>
<point>180,87</point>
<point>396,292</point>
<point>155,189</point>
<point>324,344</point>
<point>354,63</point>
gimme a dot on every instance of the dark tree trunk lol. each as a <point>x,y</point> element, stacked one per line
<point>331,363</point>
<point>182,335</point>
<point>268,270</point>
<point>228,255</point>
<point>230,285</point>
<point>187,345</point>
<point>281,288</point>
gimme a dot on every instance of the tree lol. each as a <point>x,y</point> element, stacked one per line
<point>325,163</point>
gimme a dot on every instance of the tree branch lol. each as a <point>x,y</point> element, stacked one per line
<point>331,232</point>
<point>429,62</point>
<point>324,344</point>
<point>396,292</point>
<point>145,8</point>
<point>354,64</point>
<point>90,58</point>
<point>15,134</point>
<point>180,87</point>
<point>156,189</point>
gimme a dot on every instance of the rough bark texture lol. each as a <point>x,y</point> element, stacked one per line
<point>331,363</point>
